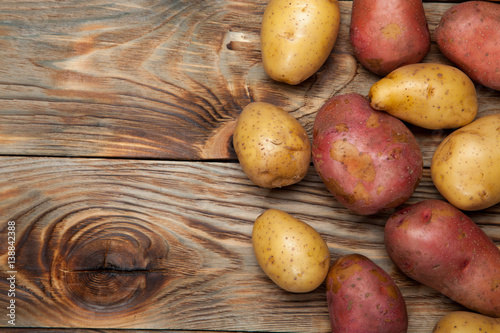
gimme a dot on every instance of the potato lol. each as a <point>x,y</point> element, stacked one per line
<point>432,96</point>
<point>362,297</point>
<point>273,148</point>
<point>291,252</point>
<point>465,167</point>
<point>297,36</point>
<point>466,322</point>
<point>368,160</point>
<point>387,34</point>
<point>439,246</point>
<point>468,35</point>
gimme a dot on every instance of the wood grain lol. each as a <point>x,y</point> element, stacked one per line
<point>150,245</point>
<point>82,330</point>
<point>157,78</point>
<point>139,218</point>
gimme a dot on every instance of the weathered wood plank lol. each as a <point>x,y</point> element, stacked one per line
<point>156,79</point>
<point>82,330</point>
<point>149,245</point>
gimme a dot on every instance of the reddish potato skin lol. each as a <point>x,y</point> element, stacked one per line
<point>468,34</point>
<point>437,245</point>
<point>369,160</point>
<point>362,297</point>
<point>387,34</point>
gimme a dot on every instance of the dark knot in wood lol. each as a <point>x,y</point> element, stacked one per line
<point>110,266</point>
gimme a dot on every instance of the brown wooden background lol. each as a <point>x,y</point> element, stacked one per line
<point>116,164</point>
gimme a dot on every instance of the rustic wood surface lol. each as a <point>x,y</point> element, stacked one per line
<point>116,164</point>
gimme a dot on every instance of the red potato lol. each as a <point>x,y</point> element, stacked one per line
<point>468,34</point>
<point>369,160</point>
<point>437,245</point>
<point>387,34</point>
<point>362,297</point>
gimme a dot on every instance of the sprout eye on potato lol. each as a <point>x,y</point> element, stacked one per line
<point>273,148</point>
<point>432,96</point>
<point>297,36</point>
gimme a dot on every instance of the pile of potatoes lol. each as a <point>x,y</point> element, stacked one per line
<point>371,162</point>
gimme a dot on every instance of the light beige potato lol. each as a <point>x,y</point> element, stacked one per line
<point>465,167</point>
<point>432,96</point>
<point>273,147</point>
<point>466,322</point>
<point>297,36</point>
<point>291,252</point>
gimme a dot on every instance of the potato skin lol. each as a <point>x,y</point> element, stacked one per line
<point>465,167</point>
<point>368,160</point>
<point>297,36</point>
<point>437,245</point>
<point>432,96</point>
<point>466,322</point>
<point>387,34</point>
<point>273,148</point>
<point>468,35</point>
<point>362,297</point>
<point>291,252</point>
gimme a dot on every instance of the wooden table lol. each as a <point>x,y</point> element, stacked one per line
<point>118,174</point>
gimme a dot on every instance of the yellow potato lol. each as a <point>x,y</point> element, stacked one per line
<point>432,96</point>
<point>273,148</point>
<point>465,167</point>
<point>297,37</point>
<point>466,322</point>
<point>291,252</point>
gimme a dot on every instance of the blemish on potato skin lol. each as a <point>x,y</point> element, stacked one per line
<point>463,265</point>
<point>495,285</point>
<point>375,63</point>
<point>392,292</point>
<point>426,216</point>
<point>403,224</point>
<point>337,188</point>
<point>380,189</point>
<point>391,31</point>
<point>395,154</point>
<point>373,121</point>
<point>343,271</point>
<point>379,276</point>
<point>342,127</point>
<point>360,193</point>
<point>407,267</point>
<point>399,137</point>
<point>357,164</point>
